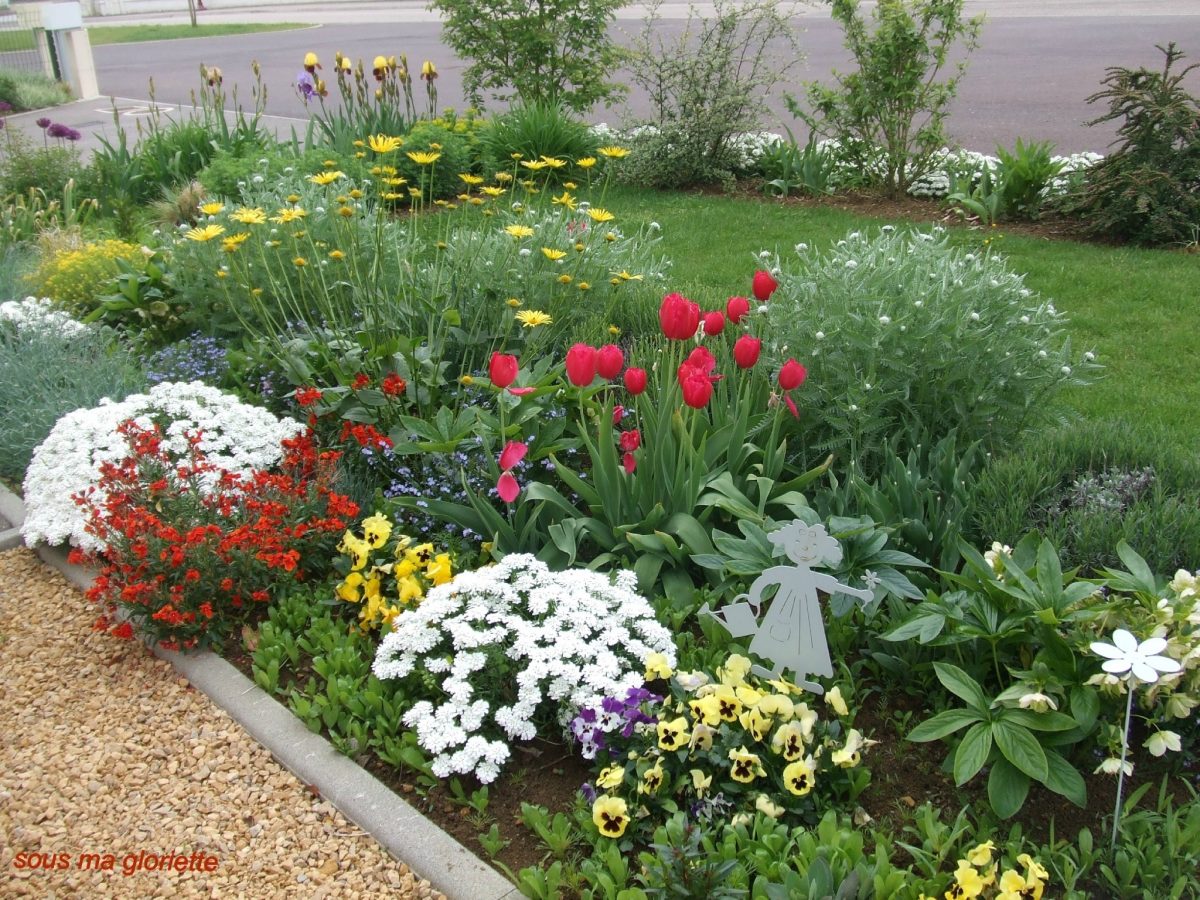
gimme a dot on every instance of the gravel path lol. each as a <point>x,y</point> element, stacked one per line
<point>104,749</point>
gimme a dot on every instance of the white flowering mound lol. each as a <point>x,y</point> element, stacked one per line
<point>236,437</point>
<point>514,641</point>
<point>39,315</point>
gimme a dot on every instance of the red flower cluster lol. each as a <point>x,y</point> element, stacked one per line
<point>366,435</point>
<point>184,562</point>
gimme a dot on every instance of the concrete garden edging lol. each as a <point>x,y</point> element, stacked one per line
<point>406,834</point>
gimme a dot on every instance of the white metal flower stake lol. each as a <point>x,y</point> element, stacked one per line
<point>1137,662</point>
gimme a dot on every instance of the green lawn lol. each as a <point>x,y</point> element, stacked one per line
<point>12,41</point>
<point>131,34</point>
<point>1136,308</point>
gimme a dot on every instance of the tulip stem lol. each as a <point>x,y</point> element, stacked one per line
<point>1132,683</point>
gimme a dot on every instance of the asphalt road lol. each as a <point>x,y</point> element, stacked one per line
<point>1029,78</point>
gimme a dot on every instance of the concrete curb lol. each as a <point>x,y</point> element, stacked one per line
<point>398,827</point>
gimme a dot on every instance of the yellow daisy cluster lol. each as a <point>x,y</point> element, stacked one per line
<point>385,582</point>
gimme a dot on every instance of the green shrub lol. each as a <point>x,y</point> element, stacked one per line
<point>232,175</point>
<point>708,86</point>
<point>534,130</point>
<point>75,273</point>
<point>25,165</point>
<point>1091,486</point>
<point>555,51</point>
<point>441,179</point>
<point>48,371</point>
<point>893,103</point>
<point>31,90</point>
<point>1148,189</point>
<point>907,338</point>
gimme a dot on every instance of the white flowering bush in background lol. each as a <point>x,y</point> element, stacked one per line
<point>516,650</point>
<point>39,314</point>
<point>904,335</point>
<point>235,436</point>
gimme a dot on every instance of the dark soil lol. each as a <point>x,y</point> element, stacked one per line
<point>904,776</point>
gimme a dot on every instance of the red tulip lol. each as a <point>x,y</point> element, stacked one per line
<point>792,375</point>
<point>791,404</point>
<point>581,365</point>
<point>618,413</point>
<point>679,317</point>
<point>630,440</point>
<point>764,285</point>
<point>714,323</point>
<point>701,359</point>
<point>696,385</point>
<point>746,350</point>
<point>513,453</point>
<point>629,463</point>
<point>736,308</point>
<point>635,381</point>
<point>508,488</point>
<point>609,361</point>
<point>503,369</point>
<point>521,391</point>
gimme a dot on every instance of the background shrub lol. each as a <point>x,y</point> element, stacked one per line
<point>74,273</point>
<point>555,51</point>
<point>708,85</point>
<point>893,105</point>
<point>1148,189</point>
<point>534,129</point>
<point>906,338</point>
<point>26,164</point>
<point>47,373</point>
<point>457,155</point>
<point>31,90</point>
<point>1091,486</point>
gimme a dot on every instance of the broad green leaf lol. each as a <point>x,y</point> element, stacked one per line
<point>1007,788</point>
<point>972,752</point>
<point>1085,705</point>
<point>962,685</point>
<point>1039,721</point>
<point>1063,778</point>
<point>926,623</point>
<point>944,723</point>
<point>1020,748</point>
<point>1137,568</point>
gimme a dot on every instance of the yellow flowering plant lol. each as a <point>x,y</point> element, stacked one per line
<point>384,571</point>
<point>720,744</point>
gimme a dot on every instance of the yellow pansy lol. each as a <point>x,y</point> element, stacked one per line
<point>652,779</point>
<point>834,699</point>
<point>356,548</point>
<point>701,781</point>
<point>377,529</point>
<point>658,666</point>
<point>800,777</point>
<point>674,734</point>
<point>439,570</point>
<point>755,723</point>
<point>746,765</point>
<point>610,778</point>
<point>348,590</point>
<point>768,807</point>
<point>610,815</point>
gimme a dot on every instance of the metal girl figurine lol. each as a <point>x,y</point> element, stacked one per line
<point>792,632</point>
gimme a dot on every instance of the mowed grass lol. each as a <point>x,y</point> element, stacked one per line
<point>132,34</point>
<point>14,41</point>
<point>1138,310</point>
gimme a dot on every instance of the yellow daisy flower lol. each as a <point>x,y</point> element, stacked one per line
<point>532,318</point>
<point>249,216</point>
<point>211,209</point>
<point>553,255</point>
<point>231,243</point>
<point>423,159</point>
<point>596,214</point>
<point>519,231</point>
<point>207,233</point>
<point>384,143</point>
<point>613,152</point>
<point>324,178</point>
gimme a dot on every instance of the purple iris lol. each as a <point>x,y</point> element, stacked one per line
<point>306,86</point>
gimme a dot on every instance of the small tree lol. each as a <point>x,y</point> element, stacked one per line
<point>1148,189</point>
<point>708,87</point>
<point>540,51</point>
<point>888,116</point>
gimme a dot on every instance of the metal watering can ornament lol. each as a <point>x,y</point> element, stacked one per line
<point>791,634</point>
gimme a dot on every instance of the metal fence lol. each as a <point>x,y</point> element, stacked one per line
<point>17,48</point>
